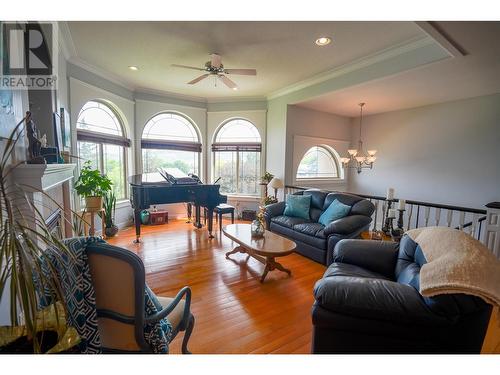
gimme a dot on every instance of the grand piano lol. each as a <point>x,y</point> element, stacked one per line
<point>152,188</point>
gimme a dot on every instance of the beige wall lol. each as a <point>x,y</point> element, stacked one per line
<point>307,128</point>
<point>447,153</point>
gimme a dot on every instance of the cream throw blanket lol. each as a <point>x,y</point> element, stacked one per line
<point>456,263</point>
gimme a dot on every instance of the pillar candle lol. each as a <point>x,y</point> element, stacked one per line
<point>390,194</point>
<point>401,204</point>
<point>392,213</point>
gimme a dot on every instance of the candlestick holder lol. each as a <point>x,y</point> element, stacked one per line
<point>400,219</point>
<point>397,233</point>
<point>387,220</point>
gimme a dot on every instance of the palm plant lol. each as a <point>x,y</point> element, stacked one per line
<point>23,240</point>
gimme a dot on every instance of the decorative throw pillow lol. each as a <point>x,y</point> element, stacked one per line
<point>297,206</point>
<point>336,210</point>
<point>158,334</point>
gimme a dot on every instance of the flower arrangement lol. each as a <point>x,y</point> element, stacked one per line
<point>269,200</point>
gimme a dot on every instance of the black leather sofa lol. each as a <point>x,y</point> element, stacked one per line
<point>313,239</point>
<point>368,301</point>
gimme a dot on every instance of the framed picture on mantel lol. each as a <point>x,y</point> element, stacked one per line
<point>65,130</point>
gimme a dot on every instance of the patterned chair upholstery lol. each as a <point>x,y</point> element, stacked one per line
<point>118,278</point>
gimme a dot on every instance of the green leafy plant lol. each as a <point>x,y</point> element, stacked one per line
<point>22,247</point>
<point>266,178</point>
<point>109,205</point>
<point>91,183</point>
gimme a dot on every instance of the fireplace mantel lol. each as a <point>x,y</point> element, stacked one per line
<point>42,177</point>
<point>37,178</point>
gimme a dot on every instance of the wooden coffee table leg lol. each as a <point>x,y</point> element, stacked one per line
<point>237,249</point>
<point>278,266</point>
<point>267,268</point>
<point>271,265</point>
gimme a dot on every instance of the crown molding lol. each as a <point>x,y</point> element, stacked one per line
<point>385,54</point>
<point>444,41</point>
<point>66,40</point>
<point>236,99</point>
<point>168,94</point>
<point>100,89</point>
<point>101,73</point>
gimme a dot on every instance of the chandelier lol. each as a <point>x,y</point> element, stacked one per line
<point>357,158</point>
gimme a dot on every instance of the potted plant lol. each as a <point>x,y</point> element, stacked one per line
<point>92,185</point>
<point>32,329</point>
<point>266,178</point>
<point>109,205</point>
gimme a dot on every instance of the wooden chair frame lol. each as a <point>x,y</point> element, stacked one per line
<point>138,320</point>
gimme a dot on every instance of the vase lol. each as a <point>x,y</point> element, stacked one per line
<point>111,231</point>
<point>257,228</point>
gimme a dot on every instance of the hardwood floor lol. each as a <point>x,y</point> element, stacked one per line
<point>234,312</point>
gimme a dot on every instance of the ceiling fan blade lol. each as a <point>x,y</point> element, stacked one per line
<point>187,67</point>
<point>216,60</point>
<point>246,72</point>
<point>228,82</point>
<point>196,80</point>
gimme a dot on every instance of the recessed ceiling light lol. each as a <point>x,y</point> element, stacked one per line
<point>235,88</point>
<point>134,68</point>
<point>323,41</point>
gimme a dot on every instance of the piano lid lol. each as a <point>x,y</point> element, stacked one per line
<point>150,179</point>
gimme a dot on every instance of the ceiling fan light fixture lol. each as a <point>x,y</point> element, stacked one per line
<point>133,67</point>
<point>323,41</point>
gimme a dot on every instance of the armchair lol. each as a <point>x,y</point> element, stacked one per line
<point>368,301</point>
<point>118,278</point>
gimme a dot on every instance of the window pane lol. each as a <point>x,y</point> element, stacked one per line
<point>186,161</point>
<point>225,167</point>
<point>318,162</point>
<point>114,168</point>
<point>236,131</point>
<point>99,118</point>
<point>170,126</point>
<point>89,151</point>
<point>249,173</point>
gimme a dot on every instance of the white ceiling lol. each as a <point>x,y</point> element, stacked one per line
<point>282,52</point>
<point>477,73</point>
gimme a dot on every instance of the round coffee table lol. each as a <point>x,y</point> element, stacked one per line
<point>264,249</point>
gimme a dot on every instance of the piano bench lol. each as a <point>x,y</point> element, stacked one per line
<point>220,210</point>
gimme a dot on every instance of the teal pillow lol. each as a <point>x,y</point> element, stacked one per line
<point>297,206</point>
<point>336,210</point>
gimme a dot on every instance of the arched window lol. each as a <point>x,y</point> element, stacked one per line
<point>319,162</point>
<point>102,140</point>
<point>236,152</point>
<point>170,140</point>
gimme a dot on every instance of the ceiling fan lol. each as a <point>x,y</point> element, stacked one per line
<point>215,68</point>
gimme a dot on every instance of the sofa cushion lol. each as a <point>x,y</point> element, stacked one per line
<point>336,210</point>
<point>351,270</point>
<point>288,221</point>
<point>344,198</point>
<point>317,198</point>
<point>311,229</point>
<point>347,291</point>
<point>314,214</point>
<point>298,206</point>
<point>318,242</point>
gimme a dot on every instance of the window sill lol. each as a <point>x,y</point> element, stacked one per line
<point>335,181</point>
<point>123,203</point>
<point>249,198</point>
